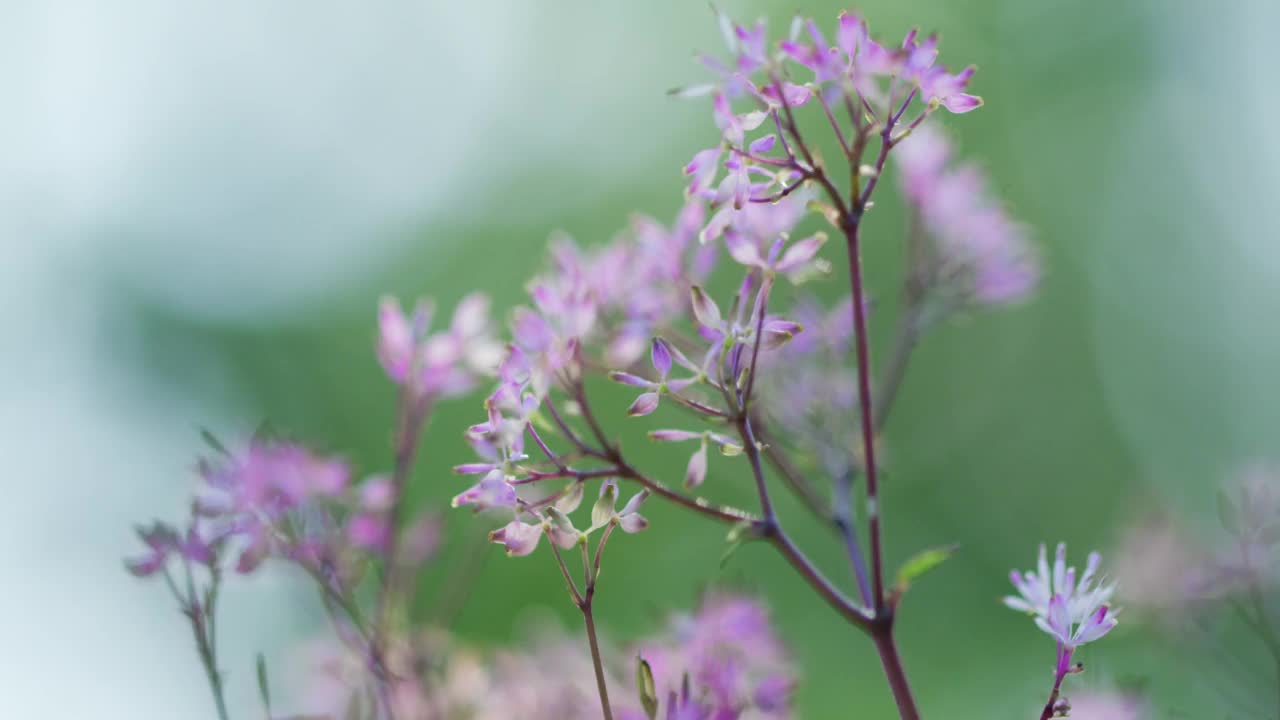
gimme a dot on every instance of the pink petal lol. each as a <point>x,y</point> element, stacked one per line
<point>643,405</point>
<point>519,538</point>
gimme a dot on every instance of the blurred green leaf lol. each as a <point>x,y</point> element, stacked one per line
<point>264,688</point>
<point>921,563</point>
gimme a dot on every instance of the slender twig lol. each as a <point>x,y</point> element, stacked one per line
<point>795,480</point>
<point>568,431</point>
<point>863,354</point>
<point>763,301</point>
<point>770,527</point>
<point>842,604</point>
<point>752,448</point>
<point>1060,673</point>
<point>200,616</point>
<point>696,504</point>
<point>894,672</point>
<point>842,490</point>
<point>583,601</point>
<point>601,687</point>
<point>564,570</point>
<point>835,125</point>
<point>413,414</point>
<point>847,609</point>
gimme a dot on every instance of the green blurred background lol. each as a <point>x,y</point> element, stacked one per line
<point>205,203</point>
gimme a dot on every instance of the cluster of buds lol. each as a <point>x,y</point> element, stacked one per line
<point>254,502</point>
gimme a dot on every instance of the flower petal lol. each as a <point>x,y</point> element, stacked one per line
<point>644,404</point>
<point>519,538</point>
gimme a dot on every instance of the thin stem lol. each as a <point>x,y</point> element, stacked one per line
<point>564,570</point>
<point>697,504</point>
<point>862,350</point>
<point>1064,660</point>
<point>595,566</point>
<point>592,572</point>
<point>412,416</point>
<point>568,432</point>
<point>898,685</point>
<point>835,125</point>
<point>825,589</point>
<point>211,670</point>
<point>763,302</point>
<point>772,529</point>
<point>596,662</point>
<point>198,616</point>
<point>886,145</point>
<point>795,480</point>
<point>753,456</point>
<point>843,605</point>
<point>843,501</point>
<point>555,459</point>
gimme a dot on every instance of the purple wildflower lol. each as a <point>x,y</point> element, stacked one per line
<point>979,246</point>
<point>730,655</point>
<point>443,364</point>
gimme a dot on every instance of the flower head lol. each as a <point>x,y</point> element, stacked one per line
<point>442,364</point>
<point>729,654</point>
<point>1074,612</point>
<point>981,251</point>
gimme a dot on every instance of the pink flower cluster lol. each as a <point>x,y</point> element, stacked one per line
<point>980,252</point>
<point>722,661</point>
<point>779,382</point>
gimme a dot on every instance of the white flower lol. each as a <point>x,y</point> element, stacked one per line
<point>1073,612</point>
<point>1037,588</point>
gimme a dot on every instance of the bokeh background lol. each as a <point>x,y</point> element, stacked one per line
<point>201,202</point>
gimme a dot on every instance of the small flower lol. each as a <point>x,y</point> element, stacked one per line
<point>377,494</point>
<point>444,364</point>
<point>773,693</point>
<point>721,660</point>
<point>696,471</point>
<point>705,309</point>
<point>1073,633</point>
<point>560,528</point>
<point>493,490</point>
<point>980,248</point>
<point>644,404</point>
<point>398,336</point>
<point>702,170</point>
<point>630,519</point>
<point>1073,612</point>
<point>369,531</point>
<point>161,541</point>
<point>734,127</point>
<point>661,356</point>
<point>517,537</point>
